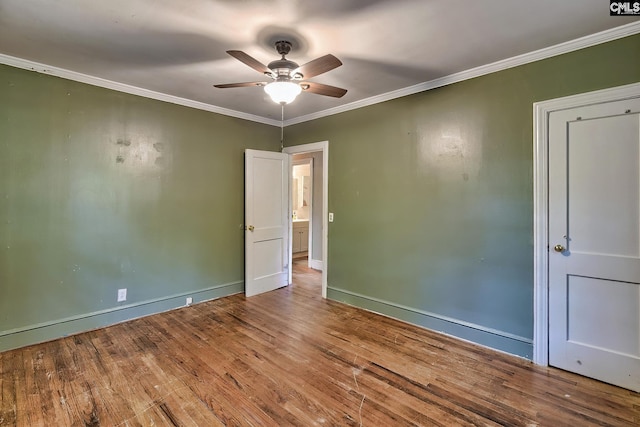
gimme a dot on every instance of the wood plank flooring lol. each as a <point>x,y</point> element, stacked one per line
<point>290,358</point>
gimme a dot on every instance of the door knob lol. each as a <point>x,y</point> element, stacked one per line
<point>559,248</point>
<point>250,228</point>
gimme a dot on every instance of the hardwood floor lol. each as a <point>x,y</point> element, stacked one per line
<point>290,358</point>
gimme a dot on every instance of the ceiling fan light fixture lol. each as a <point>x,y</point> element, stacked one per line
<point>289,77</point>
<point>283,92</point>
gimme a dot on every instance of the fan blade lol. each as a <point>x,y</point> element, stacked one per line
<point>250,61</point>
<point>317,66</point>
<point>320,89</point>
<point>247,84</point>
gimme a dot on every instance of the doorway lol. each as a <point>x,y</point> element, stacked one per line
<point>587,241</point>
<point>319,151</point>
<point>305,210</point>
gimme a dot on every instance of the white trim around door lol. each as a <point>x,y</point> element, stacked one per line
<point>541,111</point>
<point>324,148</point>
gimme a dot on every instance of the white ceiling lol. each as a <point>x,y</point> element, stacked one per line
<point>177,47</point>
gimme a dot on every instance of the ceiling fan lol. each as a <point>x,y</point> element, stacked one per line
<point>289,78</point>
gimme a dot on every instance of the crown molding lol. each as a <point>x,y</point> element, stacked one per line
<point>537,55</point>
<point>559,49</point>
<point>133,90</point>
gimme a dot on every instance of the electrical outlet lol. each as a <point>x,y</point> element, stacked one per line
<point>189,300</point>
<point>122,295</point>
<point>330,216</point>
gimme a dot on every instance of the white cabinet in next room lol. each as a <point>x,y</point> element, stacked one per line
<point>300,236</point>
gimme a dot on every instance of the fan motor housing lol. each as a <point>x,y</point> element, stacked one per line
<point>282,66</point>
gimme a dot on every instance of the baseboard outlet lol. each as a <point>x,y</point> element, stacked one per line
<point>48,331</point>
<point>478,334</point>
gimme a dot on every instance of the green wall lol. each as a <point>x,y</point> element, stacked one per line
<point>433,196</point>
<point>101,190</point>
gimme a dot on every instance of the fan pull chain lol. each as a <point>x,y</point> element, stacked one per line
<point>282,129</point>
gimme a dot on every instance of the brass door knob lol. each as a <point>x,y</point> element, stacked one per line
<point>251,228</point>
<point>559,248</point>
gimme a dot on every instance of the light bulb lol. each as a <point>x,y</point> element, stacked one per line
<point>283,92</point>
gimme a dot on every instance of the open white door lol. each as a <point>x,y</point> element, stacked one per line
<point>594,239</point>
<point>266,221</point>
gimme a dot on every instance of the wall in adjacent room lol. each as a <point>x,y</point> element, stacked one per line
<point>433,196</point>
<point>101,190</point>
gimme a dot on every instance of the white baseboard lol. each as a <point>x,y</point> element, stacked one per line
<point>316,264</point>
<point>47,331</point>
<point>478,334</point>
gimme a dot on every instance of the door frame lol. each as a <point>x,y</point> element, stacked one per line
<point>541,112</point>
<point>323,147</point>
